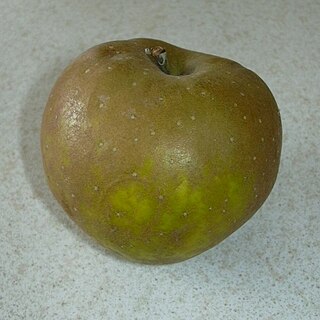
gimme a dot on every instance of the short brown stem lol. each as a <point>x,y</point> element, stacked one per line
<point>159,55</point>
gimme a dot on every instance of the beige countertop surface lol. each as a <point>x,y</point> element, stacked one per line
<point>268,269</point>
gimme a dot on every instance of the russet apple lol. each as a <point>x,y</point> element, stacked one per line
<point>157,152</point>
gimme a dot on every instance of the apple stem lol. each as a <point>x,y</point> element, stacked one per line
<point>159,55</point>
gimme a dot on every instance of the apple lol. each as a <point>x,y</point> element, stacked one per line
<point>159,153</point>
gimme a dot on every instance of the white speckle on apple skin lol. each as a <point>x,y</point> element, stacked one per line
<point>260,121</point>
<point>235,104</point>
<point>109,68</point>
<point>72,195</point>
<point>254,158</point>
<point>178,123</point>
<point>185,214</point>
<point>133,117</point>
<point>160,197</point>
<point>110,47</point>
<point>135,139</point>
<point>210,208</point>
<point>262,139</point>
<point>75,209</point>
<point>145,73</point>
<point>203,93</point>
<point>152,133</point>
<point>134,84</point>
<point>245,117</point>
<point>75,92</point>
<point>103,101</point>
<point>100,144</point>
<point>242,94</point>
<point>134,174</point>
<point>103,98</point>
<point>193,118</point>
<point>231,139</point>
<point>96,188</point>
<point>87,71</point>
<point>114,149</point>
<point>62,167</point>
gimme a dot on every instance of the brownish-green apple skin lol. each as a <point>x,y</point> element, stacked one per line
<point>159,160</point>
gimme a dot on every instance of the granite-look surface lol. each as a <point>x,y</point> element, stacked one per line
<point>269,269</point>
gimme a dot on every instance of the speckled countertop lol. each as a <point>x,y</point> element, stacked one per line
<point>269,269</point>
